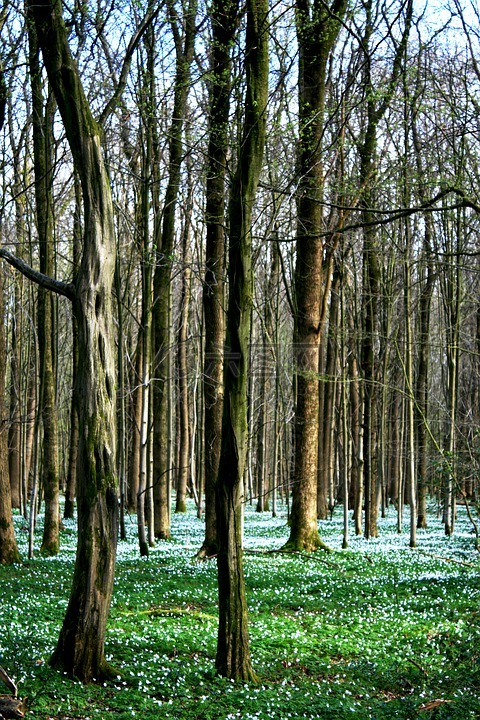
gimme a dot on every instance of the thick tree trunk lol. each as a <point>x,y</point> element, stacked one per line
<point>80,648</point>
<point>316,33</point>
<point>233,655</point>
<point>224,24</point>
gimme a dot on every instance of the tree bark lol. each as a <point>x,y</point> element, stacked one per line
<point>318,26</point>
<point>233,653</point>
<point>80,648</point>
<point>224,19</point>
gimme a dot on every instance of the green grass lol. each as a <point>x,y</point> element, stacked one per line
<point>377,631</point>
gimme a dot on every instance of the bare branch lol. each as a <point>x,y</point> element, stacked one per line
<point>56,286</point>
<point>122,81</point>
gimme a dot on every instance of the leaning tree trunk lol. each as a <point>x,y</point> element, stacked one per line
<point>233,653</point>
<point>80,648</point>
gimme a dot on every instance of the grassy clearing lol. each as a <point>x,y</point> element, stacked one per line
<point>374,632</point>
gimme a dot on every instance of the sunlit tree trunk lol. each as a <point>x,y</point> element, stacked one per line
<point>318,25</point>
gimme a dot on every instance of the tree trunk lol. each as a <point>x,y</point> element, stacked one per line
<point>423,356</point>
<point>267,358</point>
<point>317,29</point>
<point>16,462</point>
<point>375,110</point>
<point>14,433</point>
<point>144,496</point>
<point>8,545</point>
<point>233,654</point>
<point>224,24</point>
<point>80,648</point>
<point>184,47</point>
<point>136,415</point>
<point>184,465</point>
<point>71,487</point>
<point>42,123</point>
<point>325,501</point>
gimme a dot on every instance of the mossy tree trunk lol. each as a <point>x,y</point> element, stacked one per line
<point>318,26</point>
<point>80,648</point>
<point>233,653</point>
<point>224,21</point>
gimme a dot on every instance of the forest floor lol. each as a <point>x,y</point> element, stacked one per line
<point>373,632</point>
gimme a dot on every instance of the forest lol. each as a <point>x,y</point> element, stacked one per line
<point>239,283</point>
